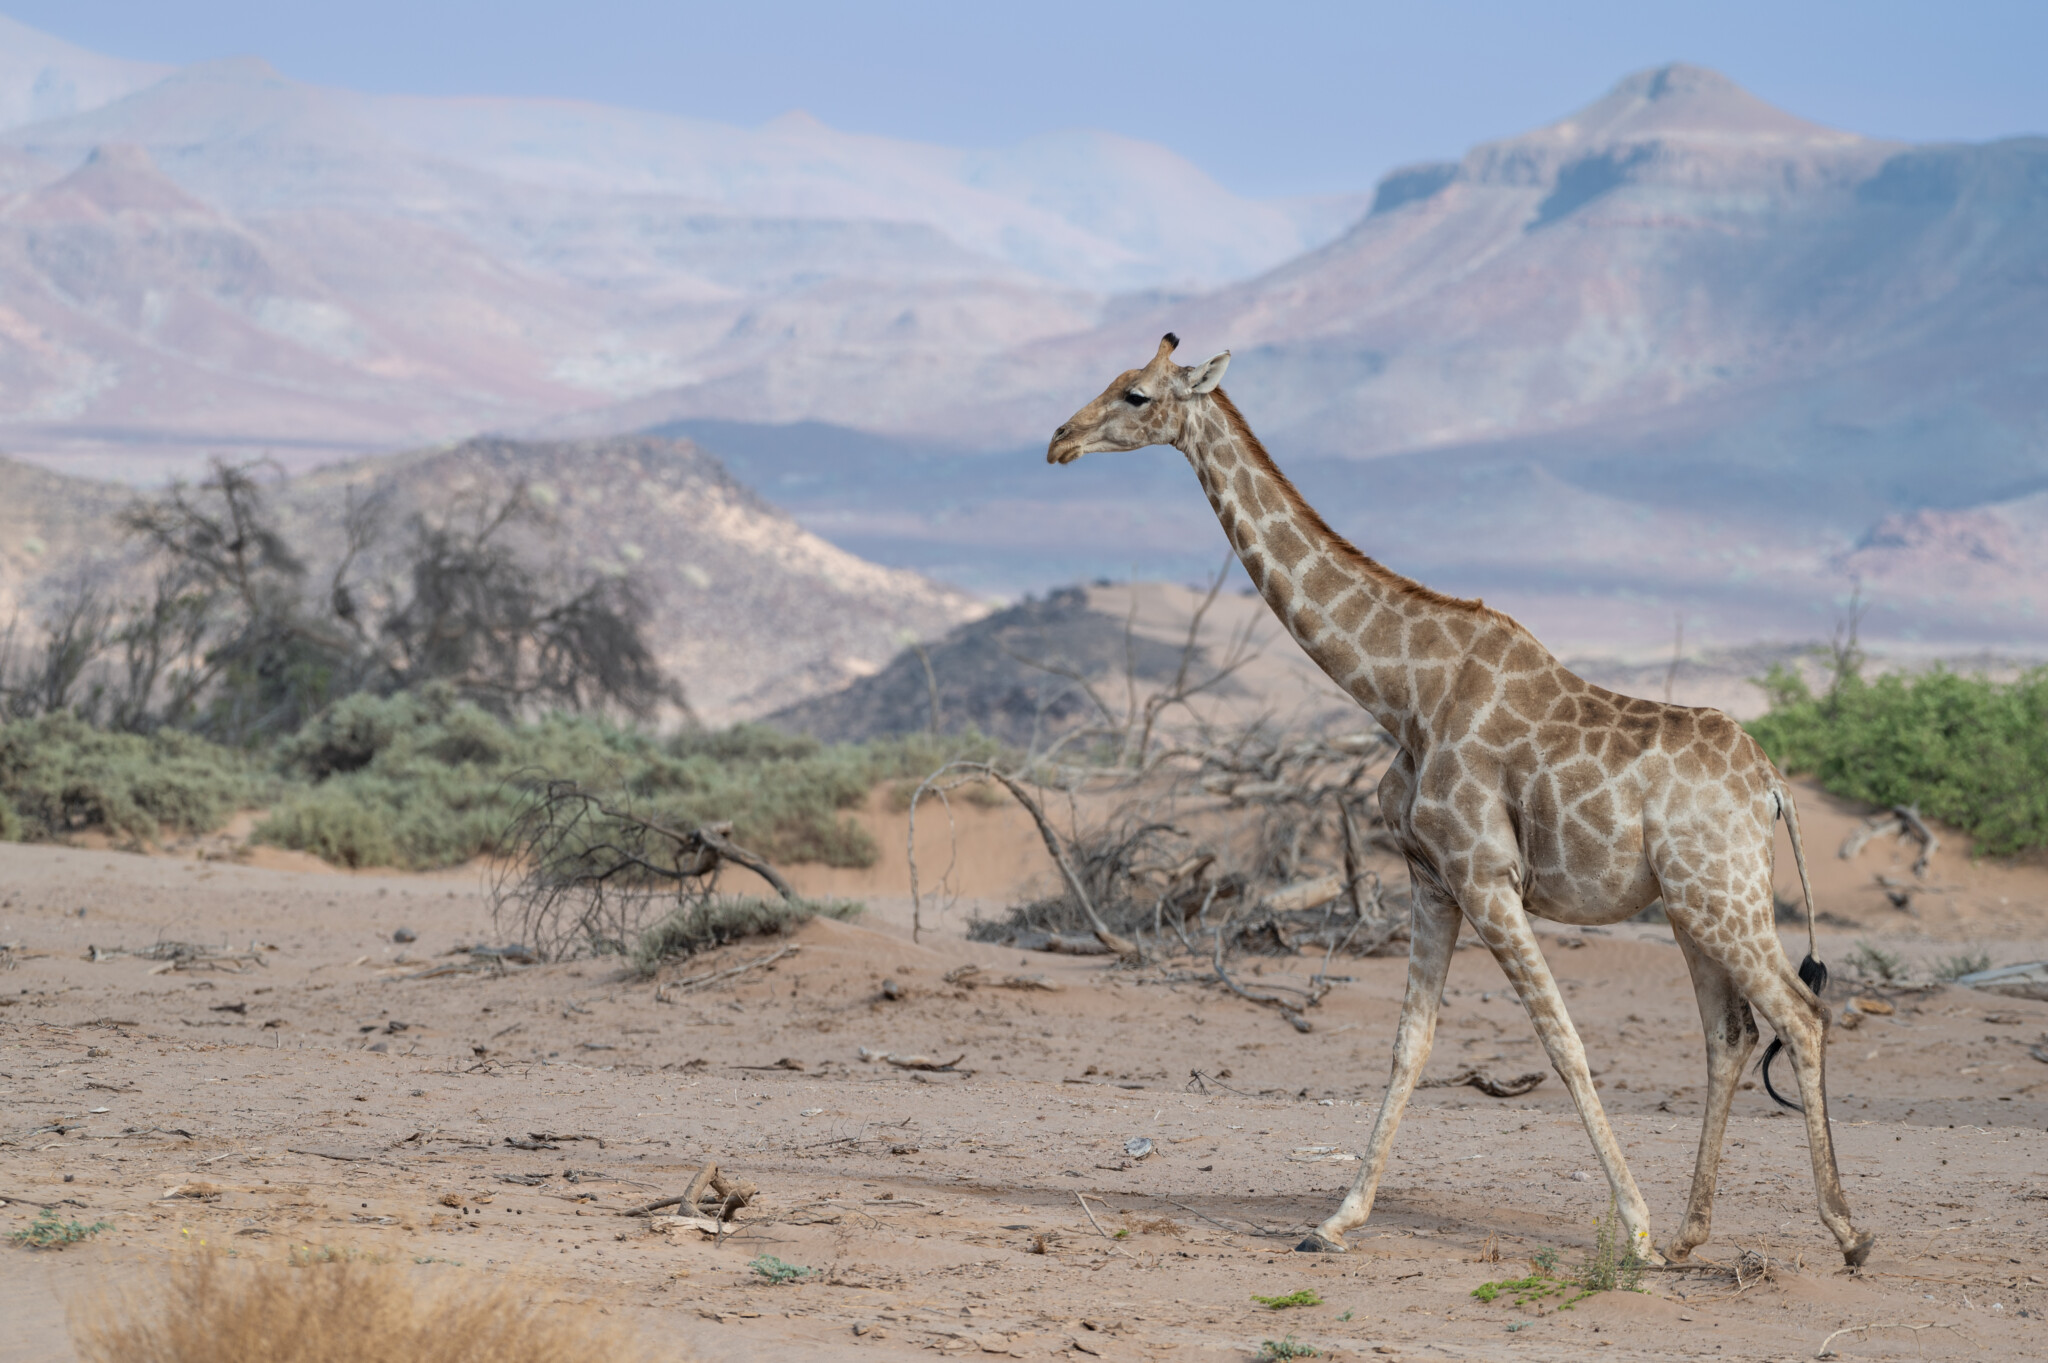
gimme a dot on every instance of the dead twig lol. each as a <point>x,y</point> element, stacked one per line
<point>917,1062</point>
<point>1826,1349</point>
<point>1905,821</point>
<point>1057,850</point>
<point>1200,1081</point>
<point>1082,1198</point>
<point>698,982</point>
<point>1287,1010</point>
<point>729,1195</point>
<point>1486,1083</point>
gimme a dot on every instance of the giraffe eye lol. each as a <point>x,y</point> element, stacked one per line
<point>1136,398</point>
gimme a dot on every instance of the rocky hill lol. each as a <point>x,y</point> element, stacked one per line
<point>1017,675</point>
<point>750,611</point>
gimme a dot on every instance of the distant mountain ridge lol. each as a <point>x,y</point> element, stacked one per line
<point>1677,352</point>
<point>267,265</point>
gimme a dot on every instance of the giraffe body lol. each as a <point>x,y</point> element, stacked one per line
<point>1519,789</point>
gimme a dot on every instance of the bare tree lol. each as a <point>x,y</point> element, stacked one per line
<point>234,640</point>
<point>478,616</point>
<point>49,678</point>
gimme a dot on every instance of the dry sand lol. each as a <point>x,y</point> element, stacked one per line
<point>330,1100</point>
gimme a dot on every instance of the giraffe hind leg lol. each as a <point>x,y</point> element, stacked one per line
<point>1731,1034</point>
<point>1747,947</point>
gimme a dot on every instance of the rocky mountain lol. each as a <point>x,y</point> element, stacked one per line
<point>1678,353</point>
<point>220,258</point>
<point>749,611</point>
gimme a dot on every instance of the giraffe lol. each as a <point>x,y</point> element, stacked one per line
<point>1518,789</point>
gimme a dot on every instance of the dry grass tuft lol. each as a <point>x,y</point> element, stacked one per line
<point>210,1309</point>
<point>1164,1225</point>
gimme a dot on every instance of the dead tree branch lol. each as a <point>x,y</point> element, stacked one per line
<point>578,873</point>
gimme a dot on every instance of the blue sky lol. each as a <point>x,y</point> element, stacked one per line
<point>1268,96</point>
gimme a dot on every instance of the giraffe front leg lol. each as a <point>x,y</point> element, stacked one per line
<point>1433,936</point>
<point>1731,1038</point>
<point>1498,916</point>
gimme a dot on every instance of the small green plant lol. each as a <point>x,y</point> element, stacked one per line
<point>1968,963</point>
<point>776,1271</point>
<point>47,1232</point>
<point>1533,1289</point>
<point>1122,1233</point>
<point>1306,1297</point>
<point>1345,1316</point>
<point>1613,1263</point>
<point>1874,962</point>
<point>1287,1348</point>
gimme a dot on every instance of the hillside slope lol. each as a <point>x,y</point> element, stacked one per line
<point>749,611</point>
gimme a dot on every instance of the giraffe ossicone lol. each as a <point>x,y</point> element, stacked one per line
<point>1518,790</point>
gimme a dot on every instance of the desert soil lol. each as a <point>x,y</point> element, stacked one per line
<point>329,1096</point>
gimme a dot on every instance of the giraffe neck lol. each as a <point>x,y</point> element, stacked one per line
<point>1387,640</point>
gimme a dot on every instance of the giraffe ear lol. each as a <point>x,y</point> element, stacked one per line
<point>1204,377</point>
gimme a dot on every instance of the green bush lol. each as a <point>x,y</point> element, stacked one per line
<point>424,779</point>
<point>713,922</point>
<point>60,775</point>
<point>1968,751</point>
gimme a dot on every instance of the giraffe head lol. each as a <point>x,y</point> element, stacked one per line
<point>1140,407</point>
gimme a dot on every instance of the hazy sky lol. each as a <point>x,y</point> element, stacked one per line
<point>1270,97</point>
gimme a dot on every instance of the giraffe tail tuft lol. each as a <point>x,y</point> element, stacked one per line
<point>1814,975</point>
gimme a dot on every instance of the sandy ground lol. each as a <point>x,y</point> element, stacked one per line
<point>330,1099</point>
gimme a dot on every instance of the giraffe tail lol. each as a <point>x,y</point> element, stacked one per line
<point>1813,973</point>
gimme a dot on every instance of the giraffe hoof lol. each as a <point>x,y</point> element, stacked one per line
<point>1857,1250</point>
<point>1318,1243</point>
<point>1677,1253</point>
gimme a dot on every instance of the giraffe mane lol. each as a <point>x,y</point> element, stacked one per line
<point>1405,586</point>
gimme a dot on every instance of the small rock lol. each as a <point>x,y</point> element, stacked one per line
<point>891,990</point>
<point>405,935</point>
<point>1581,1176</point>
<point>1137,1147</point>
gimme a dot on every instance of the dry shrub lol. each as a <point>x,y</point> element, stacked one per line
<point>211,1309</point>
<point>1162,1225</point>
